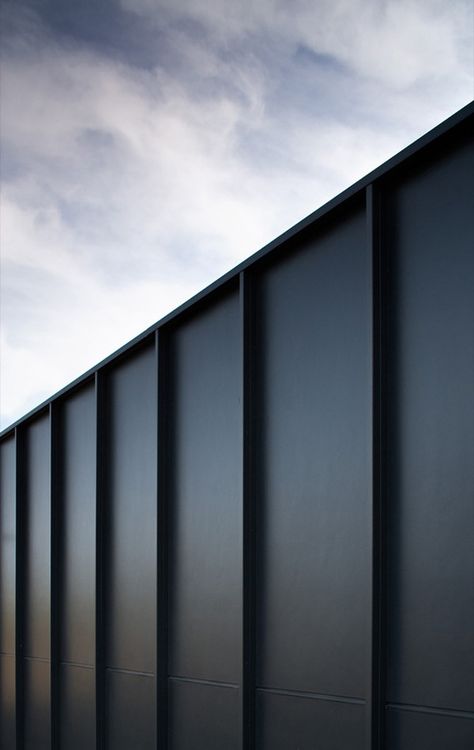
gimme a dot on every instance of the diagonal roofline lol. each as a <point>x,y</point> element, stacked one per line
<point>447,126</point>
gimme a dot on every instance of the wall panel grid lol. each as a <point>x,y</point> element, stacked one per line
<point>253,528</point>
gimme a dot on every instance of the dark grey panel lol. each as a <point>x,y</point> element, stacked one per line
<point>7,702</point>
<point>37,690</point>
<point>206,511</point>
<point>37,589</point>
<point>410,730</point>
<point>287,722</point>
<point>77,708</point>
<point>431,471</point>
<point>77,541</point>
<point>314,465</point>
<point>7,546</point>
<point>131,712</point>
<point>130,515</point>
<point>203,716</point>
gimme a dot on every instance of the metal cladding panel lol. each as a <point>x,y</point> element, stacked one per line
<point>130,514</point>
<point>37,566</point>
<point>430,231</point>
<point>7,545</point>
<point>409,730</point>
<point>203,716</point>
<point>8,549</point>
<point>205,587</point>
<point>37,705</point>
<point>287,722</point>
<point>130,712</point>
<point>314,464</point>
<point>77,721</point>
<point>7,702</point>
<point>78,531</point>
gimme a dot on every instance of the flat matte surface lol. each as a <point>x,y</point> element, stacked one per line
<point>130,514</point>
<point>206,488</point>
<point>7,546</point>
<point>290,723</point>
<point>7,702</point>
<point>37,584</point>
<point>408,730</point>
<point>37,724</point>
<point>77,540</point>
<point>131,712</point>
<point>77,708</point>
<point>431,590</point>
<point>314,465</point>
<point>203,717</point>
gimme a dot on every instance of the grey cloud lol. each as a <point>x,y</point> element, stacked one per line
<point>103,27</point>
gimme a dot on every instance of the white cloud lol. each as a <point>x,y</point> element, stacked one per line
<point>127,189</point>
<point>68,315</point>
<point>397,42</point>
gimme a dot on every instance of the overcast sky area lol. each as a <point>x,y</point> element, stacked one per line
<point>148,146</point>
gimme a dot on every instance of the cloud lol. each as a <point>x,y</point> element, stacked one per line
<point>130,182</point>
<point>65,310</point>
<point>394,41</point>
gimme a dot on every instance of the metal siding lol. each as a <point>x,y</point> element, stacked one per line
<point>161,357</point>
<point>77,538</point>
<point>203,716</point>
<point>206,509</point>
<point>7,547</point>
<point>37,585</point>
<point>36,592</point>
<point>130,515</point>
<point>130,538</point>
<point>247,298</point>
<point>77,543</point>
<point>130,712</point>
<point>7,592</point>
<point>430,231</point>
<point>7,699</point>
<point>77,708</point>
<point>414,730</point>
<point>37,704</point>
<point>314,486</point>
<point>286,722</point>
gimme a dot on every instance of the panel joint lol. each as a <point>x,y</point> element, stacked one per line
<point>162,544</point>
<point>55,485</point>
<point>100,560</point>
<point>379,301</point>
<point>20,469</point>
<point>247,316</point>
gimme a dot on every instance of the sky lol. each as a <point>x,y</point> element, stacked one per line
<point>148,146</point>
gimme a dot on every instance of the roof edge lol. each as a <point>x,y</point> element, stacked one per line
<point>452,122</point>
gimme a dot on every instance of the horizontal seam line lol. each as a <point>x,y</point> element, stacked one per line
<point>37,658</point>
<point>313,696</point>
<point>453,712</point>
<point>197,681</point>
<point>129,671</point>
<point>66,663</point>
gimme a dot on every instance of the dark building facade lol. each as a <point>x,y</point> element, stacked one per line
<point>252,528</point>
